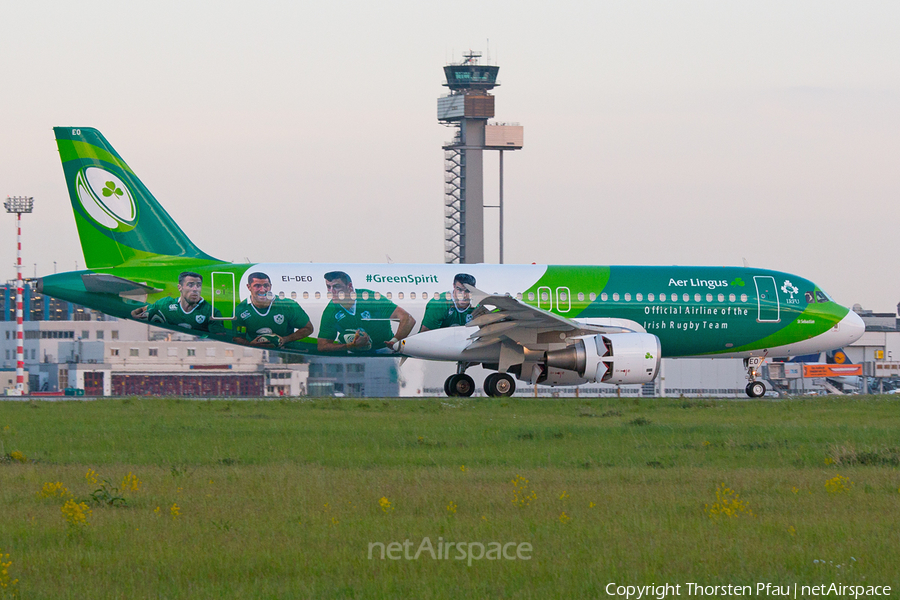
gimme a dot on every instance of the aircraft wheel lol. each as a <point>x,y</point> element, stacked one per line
<point>447,389</point>
<point>462,385</point>
<point>504,385</point>
<point>756,389</point>
<point>490,383</point>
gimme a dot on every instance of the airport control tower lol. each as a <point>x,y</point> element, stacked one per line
<point>468,107</point>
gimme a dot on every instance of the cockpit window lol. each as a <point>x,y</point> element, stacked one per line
<point>822,296</point>
<point>809,297</point>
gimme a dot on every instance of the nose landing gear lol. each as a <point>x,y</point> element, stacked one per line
<point>754,389</point>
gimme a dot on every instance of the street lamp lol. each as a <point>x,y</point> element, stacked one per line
<point>19,205</point>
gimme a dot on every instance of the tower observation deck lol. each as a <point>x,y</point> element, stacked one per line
<point>467,108</point>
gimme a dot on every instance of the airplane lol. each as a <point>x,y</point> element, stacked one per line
<point>542,324</point>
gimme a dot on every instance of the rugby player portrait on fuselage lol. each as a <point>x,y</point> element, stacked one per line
<point>359,320</point>
<point>268,321</point>
<point>188,311</point>
<point>453,311</point>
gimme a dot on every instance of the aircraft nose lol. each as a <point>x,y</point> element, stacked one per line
<point>853,326</point>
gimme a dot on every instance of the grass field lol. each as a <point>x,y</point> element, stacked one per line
<point>288,498</point>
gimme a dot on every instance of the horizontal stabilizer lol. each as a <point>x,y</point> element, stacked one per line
<point>101,283</point>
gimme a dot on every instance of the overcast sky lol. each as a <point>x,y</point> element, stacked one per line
<point>655,132</point>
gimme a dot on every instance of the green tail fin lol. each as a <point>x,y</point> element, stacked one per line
<point>119,221</point>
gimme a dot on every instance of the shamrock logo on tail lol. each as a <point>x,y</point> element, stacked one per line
<point>110,188</point>
<point>648,356</point>
<point>738,282</point>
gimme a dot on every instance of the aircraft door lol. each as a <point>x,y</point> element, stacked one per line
<point>767,301</point>
<point>223,297</point>
<point>563,299</point>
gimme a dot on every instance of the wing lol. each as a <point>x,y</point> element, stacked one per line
<point>502,318</point>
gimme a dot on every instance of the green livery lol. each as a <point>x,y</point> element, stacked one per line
<point>540,323</point>
<point>168,312</point>
<point>282,317</point>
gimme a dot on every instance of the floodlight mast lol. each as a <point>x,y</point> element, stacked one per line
<point>19,205</point>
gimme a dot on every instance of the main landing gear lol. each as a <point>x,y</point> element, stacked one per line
<point>499,385</point>
<point>459,385</point>
<point>496,385</point>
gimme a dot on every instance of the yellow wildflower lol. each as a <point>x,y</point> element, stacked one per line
<point>451,508</point>
<point>462,468</point>
<point>91,476</point>
<point>52,490</point>
<point>728,504</point>
<point>130,483</point>
<point>564,518</point>
<point>385,504</point>
<point>175,510</point>
<point>6,582</point>
<point>838,484</point>
<point>18,456</point>
<point>564,495</point>
<point>523,495</point>
<point>76,514</point>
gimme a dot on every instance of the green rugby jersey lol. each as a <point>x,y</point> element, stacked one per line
<point>168,311</point>
<point>282,317</point>
<point>440,313</point>
<point>371,315</point>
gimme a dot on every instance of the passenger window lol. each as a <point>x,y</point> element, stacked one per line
<point>378,295</point>
<point>743,297</point>
<point>639,297</point>
<point>662,298</point>
<point>531,296</point>
<point>365,295</point>
<point>319,295</point>
<point>650,297</point>
<point>627,297</point>
<point>604,297</point>
<point>697,297</point>
<point>293,295</point>
<point>437,295</point>
<point>328,295</point>
<point>581,296</point>
<point>615,296</point>
<point>412,295</point>
<point>281,295</point>
<point>721,297</point>
<point>399,295</point>
<point>518,295</point>
<point>732,297</point>
<point>592,296</point>
<point>709,297</point>
<point>306,295</point>
<point>388,295</point>
<point>686,297</point>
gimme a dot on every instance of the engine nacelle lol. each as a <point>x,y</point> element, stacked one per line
<point>610,358</point>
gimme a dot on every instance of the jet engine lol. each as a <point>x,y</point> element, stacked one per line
<point>610,358</point>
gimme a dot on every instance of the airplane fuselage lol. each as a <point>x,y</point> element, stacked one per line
<point>694,311</point>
